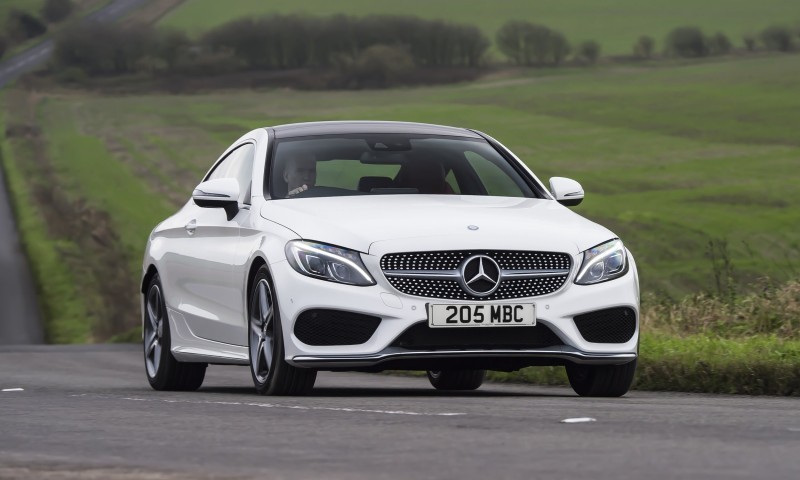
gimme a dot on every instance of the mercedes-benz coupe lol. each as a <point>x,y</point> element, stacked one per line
<point>370,246</point>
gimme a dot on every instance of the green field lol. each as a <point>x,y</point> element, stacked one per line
<point>616,24</point>
<point>671,157</point>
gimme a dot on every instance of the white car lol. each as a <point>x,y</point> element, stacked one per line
<point>385,245</point>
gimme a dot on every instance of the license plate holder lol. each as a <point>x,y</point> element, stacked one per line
<point>481,315</point>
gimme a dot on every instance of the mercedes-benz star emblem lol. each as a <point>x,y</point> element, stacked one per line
<point>480,275</point>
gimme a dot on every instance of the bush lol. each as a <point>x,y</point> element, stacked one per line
<point>644,47</point>
<point>525,43</point>
<point>749,42</point>
<point>22,26</point>
<point>559,47</point>
<point>198,61</point>
<point>170,45</point>
<point>774,310</point>
<point>150,64</point>
<point>777,38</point>
<point>719,44</point>
<point>376,67</point>
<point>687,42</point>
<point>589,50</point>
<point>512,39</point>
<point>72,75</point>
<point>56,10</point>
<point>102,49</point>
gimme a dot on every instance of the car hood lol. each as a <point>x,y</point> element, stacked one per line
<point>385,223</point>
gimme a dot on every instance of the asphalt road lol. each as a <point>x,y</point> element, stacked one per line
<point>19,315</point>
<point>87,412</point>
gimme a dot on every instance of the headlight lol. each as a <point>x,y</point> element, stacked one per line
<point>327,262</point>
<point>606,261</point>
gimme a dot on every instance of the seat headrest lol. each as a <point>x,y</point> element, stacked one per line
<point>366,184</point>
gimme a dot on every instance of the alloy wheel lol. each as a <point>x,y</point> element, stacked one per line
<point>153,330</point>
<point>262,331</point>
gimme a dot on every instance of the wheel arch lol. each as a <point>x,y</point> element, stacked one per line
<point>148,276</point>
<point>257,263</point>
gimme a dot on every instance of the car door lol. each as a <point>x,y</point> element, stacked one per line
<point>208,264</point>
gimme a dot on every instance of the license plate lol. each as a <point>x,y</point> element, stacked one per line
<point>483,315</point>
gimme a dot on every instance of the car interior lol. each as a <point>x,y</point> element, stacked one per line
<point>363,166</point>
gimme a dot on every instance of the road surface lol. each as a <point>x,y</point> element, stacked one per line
<point>87,412</point>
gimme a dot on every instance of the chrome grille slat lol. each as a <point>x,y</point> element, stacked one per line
<point>436,274</point>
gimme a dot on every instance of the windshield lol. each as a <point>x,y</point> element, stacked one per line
<point>391,164</point>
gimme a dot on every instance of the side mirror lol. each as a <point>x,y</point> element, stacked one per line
<point>567,191</point>
<point>218,193</point>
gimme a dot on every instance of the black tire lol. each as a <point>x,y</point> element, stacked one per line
<point>276,377</point>
<point>456,379</point>
<point>162,370</point>
<point>601,380</point>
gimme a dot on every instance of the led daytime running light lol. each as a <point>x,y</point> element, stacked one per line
<point>336,262</point>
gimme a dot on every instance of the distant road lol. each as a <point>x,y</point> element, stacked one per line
<point>20,321</point>
<point>88,412</point>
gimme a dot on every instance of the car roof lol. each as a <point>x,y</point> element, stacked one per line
<point>367,127</point>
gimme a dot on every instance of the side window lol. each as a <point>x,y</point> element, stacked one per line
<point>238,165</point>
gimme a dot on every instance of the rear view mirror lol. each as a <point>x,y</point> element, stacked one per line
<point>567,191</point>
<point>218,193</point>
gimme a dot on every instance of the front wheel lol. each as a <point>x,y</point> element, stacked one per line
<point>601,380</point>
<point>272,375</point>
<point>456,379</point>
<point>163,371</point>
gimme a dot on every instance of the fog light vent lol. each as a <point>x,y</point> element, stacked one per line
<point>612,325</point>
<point>334,327</point>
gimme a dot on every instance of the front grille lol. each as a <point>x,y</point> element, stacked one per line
<point>421,337</point>
<point>612,325</point>
<point>334,327</point>
<point>506,259</point>
<point>425,274</point>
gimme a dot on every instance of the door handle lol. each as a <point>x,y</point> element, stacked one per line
<point>191,227</point>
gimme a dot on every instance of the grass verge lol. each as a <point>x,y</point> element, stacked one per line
<point>63,308</point>
<point>761,365</point>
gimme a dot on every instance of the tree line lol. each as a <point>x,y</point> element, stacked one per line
<point>276,42</point>
<point>370,50</point>
<point>530,44</point>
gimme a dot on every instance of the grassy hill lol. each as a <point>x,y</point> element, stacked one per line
<point>671,157</point>
<point>616,24</point>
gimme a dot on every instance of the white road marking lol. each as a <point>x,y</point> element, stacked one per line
<point>578,420</point>
<point>291,407</point>
<point>13,390</point>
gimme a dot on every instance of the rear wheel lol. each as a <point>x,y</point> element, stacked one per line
<point>456,379</point>
<point>601,380</point>
<point>163,371</point>
<point>272,375</point>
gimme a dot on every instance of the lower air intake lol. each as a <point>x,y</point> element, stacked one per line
<point>421,337</point>
<point>612,325</point>
<point>334,327</point>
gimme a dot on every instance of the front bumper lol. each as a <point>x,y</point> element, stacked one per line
<point>394,356</point>
<point>398,312</point>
